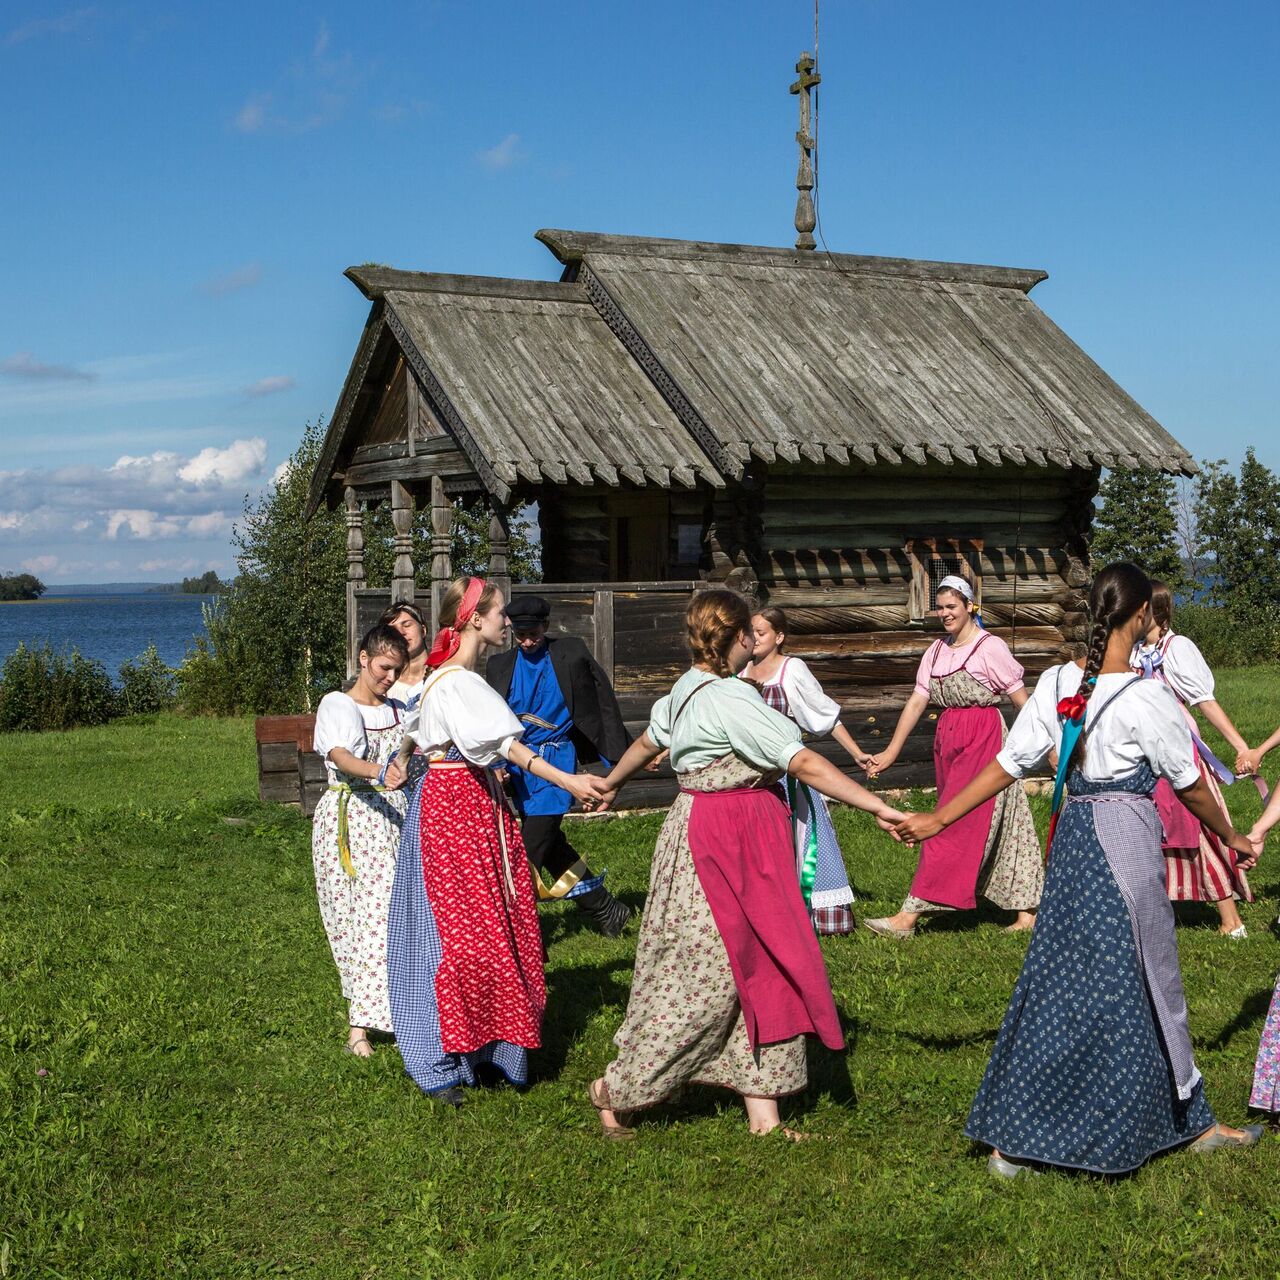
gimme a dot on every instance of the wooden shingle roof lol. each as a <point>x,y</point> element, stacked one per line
<point>528,379</point>
<point>779,354</point>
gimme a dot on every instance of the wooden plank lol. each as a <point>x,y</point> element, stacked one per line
<point>296,729</point>
<point>279,788</point>
<point>602,625</point>
<point>278,757</point>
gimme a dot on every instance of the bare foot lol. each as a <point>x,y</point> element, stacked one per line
<point>358,1044</point>
<point>1025,920</point>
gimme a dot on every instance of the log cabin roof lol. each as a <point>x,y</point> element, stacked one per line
<point>527,379</point>
<point>782,354</point>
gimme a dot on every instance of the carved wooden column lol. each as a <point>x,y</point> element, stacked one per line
<point>402,521</point>
<point>441,535</point>
<point>806,218</point>
<point>499,549</point>
<point>355,573</point>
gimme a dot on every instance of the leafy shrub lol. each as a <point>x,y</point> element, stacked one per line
<point>41,689</point>
<point>222,675</point>
<point>1228,639</point>
<point>147,684</point>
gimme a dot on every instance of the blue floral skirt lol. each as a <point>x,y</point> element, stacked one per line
<point>1079,1076</point>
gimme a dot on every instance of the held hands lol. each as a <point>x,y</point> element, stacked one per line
<point>888,818</point>
<point>877,764</point>
<point>1256,838</point>
<point>1247,761</point>
<point>586,788</point>
<point>1243,845</point>
<point>917,827</point>
<point>393,775</point>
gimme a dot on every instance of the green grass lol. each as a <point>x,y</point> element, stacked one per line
<point>168,970</point>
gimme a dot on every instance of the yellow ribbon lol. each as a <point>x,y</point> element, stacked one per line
<point>344,790</point>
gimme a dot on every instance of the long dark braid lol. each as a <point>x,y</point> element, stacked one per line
<point>1119,591</point>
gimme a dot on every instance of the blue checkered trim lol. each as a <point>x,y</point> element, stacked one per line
<point>413,958</point>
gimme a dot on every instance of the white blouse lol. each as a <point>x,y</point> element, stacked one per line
<point>730,716</point>
<point>1144,723</point>
<point>405,693</point>
<point>1185,670</point>
<point>460,709</point>
<point>807,704</point>
<point>341,721</point>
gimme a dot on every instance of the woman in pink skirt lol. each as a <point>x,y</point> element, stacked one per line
<point>1266,1071</point>
<point>993,849</point>
<point>1198,866</point>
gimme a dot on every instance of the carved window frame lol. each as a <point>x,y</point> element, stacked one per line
<point>924,553</point>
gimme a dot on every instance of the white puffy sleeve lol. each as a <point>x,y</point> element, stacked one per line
<point>465,711</point>
<point>339,724</point>
<point>1162,733</point>
<point>1187,672</point>
<point>810,707</point>
<point>1035,732</point>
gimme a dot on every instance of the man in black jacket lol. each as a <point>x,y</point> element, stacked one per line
<point>571,717</point>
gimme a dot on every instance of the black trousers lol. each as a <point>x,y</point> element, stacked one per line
<point>546,843</point>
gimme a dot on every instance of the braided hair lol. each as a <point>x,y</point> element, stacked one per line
<point>1119,591</point>
<point>714,619</point>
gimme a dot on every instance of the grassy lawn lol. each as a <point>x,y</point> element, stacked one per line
<point>173,1101</point>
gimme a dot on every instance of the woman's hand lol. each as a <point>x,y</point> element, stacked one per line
<point>878,763</point>
<point>1243,845</point>
<point>393,778</point>
<point>1257,838</point>
<point>917,827</point>
<point>888,818</point>
<point>1247,761</point>
<point>586,788</point>
<point>653,765</point>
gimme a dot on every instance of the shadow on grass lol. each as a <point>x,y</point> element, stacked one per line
<point>568,921</point>
<point>1252,1012</point>
<point>575,994</point>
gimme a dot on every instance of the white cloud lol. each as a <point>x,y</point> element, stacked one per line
<point>23,364</point>
<point>41,564</point>
<point>186,564</point>
<point>142,524</point>
<point>503,156</point>
<point>11,519</point>
<point>281,471</point>
<point>209,525</point>
<point>270,386</point>
<point>321,40</point>
<point>237,462</point>
<point>313,91</point>
<point>65,24</point>
<point>244,276</point>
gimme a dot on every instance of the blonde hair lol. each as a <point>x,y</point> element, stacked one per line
<point>452,600</point>
<point>713,621</point>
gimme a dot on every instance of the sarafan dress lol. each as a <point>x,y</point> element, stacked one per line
<point>464,953</point>
<point>992,850</point>
<point>355,833</point>
<point>1093,1068</point>
<point>1198,866</point>
<point>795,692</point>
<point>729,978</point>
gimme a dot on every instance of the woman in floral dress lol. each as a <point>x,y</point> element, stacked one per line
<point>729,978</point>
<point>356,829</point>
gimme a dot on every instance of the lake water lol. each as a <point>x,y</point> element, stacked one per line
<point>111,628</point>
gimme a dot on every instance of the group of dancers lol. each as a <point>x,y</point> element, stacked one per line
<point>428,888</point>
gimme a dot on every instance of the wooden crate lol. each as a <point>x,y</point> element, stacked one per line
<point>284,752</point>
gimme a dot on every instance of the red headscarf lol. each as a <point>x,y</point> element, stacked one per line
<point>448,639</point>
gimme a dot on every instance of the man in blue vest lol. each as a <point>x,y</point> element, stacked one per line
<point>571,717</point>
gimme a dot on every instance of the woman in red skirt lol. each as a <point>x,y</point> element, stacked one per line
<point>994,850</point>
<point>464,952</point>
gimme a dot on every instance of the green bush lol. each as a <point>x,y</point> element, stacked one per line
<point>1227,639</point>
<point>221,675</point>
<point>41,689</point>
<point>147,684</point>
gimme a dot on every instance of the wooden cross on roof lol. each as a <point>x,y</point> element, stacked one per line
<point>806,218</point>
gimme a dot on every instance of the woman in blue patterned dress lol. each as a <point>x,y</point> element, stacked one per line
<point>1093,1068</point>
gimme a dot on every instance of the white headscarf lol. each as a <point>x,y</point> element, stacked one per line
<point>953,582</point>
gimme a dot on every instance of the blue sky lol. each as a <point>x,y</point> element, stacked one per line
<point>184,186</point>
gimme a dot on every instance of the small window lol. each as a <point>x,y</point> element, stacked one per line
<point>932,559</point>
<point>943,567</point>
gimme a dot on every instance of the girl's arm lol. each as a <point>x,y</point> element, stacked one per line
<point>1215,715</point>
<point>812,769</point>
<point>1019,696</point>
<point>1199,799</point>
<point>582,786</point>
<point>907,721</point>
<point>1270,816</point>
<point>923,826</point>
<point>846,740</point>
<point>352,764</point>
<point>642,752</point>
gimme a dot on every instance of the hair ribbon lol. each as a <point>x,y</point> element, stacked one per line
<point>449,639</point>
